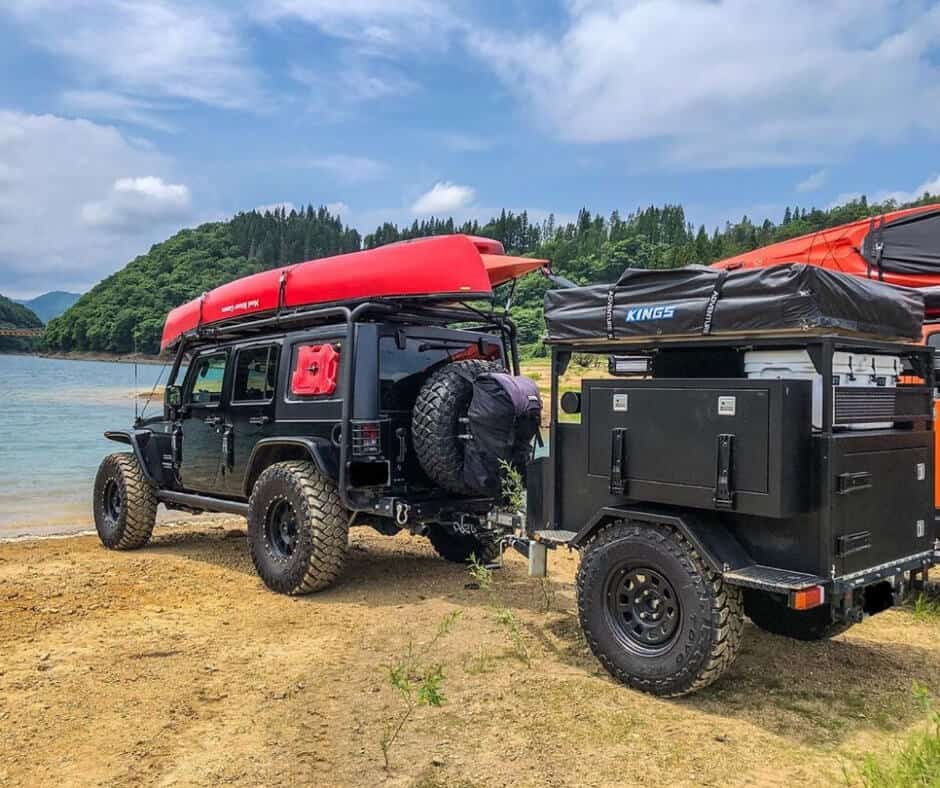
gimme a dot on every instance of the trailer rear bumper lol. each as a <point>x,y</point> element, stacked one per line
<point>890,571</point>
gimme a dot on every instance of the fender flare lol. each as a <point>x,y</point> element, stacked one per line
<point>709,536</point>
<point>319,451</point>
<point>134,438</point>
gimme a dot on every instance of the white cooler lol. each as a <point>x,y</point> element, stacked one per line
<point>856,370</point>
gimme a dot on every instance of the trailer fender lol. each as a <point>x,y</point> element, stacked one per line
<point>710,537</point>
<point>319,451</point>
<point>138,440</point>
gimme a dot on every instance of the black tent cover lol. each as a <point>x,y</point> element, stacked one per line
<point>706,301</point>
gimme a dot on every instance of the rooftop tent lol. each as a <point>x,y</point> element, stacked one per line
<point>696,301</point>
<point>901,247</point>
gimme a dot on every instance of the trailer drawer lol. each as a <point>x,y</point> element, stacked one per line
<point>733,445</point>
<point>881,498</point>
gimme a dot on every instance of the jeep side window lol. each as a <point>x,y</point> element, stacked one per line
<point>255,374</point>
<point>205,384</point>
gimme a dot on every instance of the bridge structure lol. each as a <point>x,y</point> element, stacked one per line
<point>20,332</point>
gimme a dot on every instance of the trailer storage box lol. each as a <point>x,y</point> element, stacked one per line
<point>694,302</point>
<point>735,445</point>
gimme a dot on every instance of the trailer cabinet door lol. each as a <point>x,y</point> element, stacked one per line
<point>882,498</point>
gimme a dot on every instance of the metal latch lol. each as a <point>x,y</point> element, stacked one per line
<point>618,460</point>
<point>724,494</point>
<point>852,482</point>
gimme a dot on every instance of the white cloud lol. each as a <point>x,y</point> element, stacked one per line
<point>271,207</point>
<point>164,48</point>
<point>930,186</point>
<point>729,83</point>
<point>813,182</point>
<point>58,165</point>
<point>340,209</point>
<point>350,169</point>
<point>116,106</point>
<point>377,25</point>
<point>444,198</point>
<point>135,202</point>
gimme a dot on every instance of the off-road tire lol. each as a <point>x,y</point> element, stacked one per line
<point>125,504</point>
<point>707,628</point>
<point>314,558</point>
<point>458,548</point>
<point>773,616</point>
<point>442,401</point>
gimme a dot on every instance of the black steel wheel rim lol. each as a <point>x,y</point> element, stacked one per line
<point>113,502</point>
<point>280,528</point>
<point>643,609</point>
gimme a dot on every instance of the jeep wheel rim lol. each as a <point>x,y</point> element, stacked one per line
<point>113,502</point>
<point>281,528</point>
<point>642,608</point>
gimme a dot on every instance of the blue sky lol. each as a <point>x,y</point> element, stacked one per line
<point>123,120</point>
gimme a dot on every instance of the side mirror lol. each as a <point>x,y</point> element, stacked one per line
<point>173,397</point>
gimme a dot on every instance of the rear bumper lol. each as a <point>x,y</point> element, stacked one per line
<point>887,571</point>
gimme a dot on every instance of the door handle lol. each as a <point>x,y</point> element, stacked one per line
<point>259,420</point>
<point>213,421</point>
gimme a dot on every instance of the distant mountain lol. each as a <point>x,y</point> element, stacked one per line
<point>13,315</point>
<point>50,305</point>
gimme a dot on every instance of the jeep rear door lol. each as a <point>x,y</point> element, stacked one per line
<point>250,412</point>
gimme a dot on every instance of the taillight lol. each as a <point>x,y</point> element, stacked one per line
<point>366,439</point>
<point>808,598</point>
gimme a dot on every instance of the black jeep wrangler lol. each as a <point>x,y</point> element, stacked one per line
<point>301,422</point>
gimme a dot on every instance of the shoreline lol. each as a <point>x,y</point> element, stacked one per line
<point>123,358</point>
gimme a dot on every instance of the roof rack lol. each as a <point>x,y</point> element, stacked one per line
<point>402,310</point>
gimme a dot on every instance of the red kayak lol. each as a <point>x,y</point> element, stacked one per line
<point>901,248</point>
<point>443,267</point>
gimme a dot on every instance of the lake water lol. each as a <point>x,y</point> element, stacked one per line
<point>52,416</point>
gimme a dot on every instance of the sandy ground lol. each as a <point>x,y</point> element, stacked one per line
<point>174,666</point>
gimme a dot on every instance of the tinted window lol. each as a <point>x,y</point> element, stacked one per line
<point>404,371</point>
<point>933,340</point>
<point>206,382</point>
<point>300,376</point>
<point>255,374</point>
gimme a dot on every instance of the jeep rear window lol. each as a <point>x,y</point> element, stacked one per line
<point>305,378</point>
<point>403,371</point>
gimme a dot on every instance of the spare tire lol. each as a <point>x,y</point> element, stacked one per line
<point>435,424</point>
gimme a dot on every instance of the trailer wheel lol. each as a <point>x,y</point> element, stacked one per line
<point>125,504</point>
<point>297,528</point>
<point>653,612</point>
<point>772,615</point>
<point>435,425</point>
<point>459,548</point>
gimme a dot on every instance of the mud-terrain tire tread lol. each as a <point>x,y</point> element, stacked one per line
<point>725,602</point>
<point>140,502</point>
<point>809,625</point>
<point>445,397</point>
<point>325,525</point>
<point>458,548</point>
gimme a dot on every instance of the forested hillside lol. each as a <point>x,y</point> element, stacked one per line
<point>13,315</point>
<point>125,312</point>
